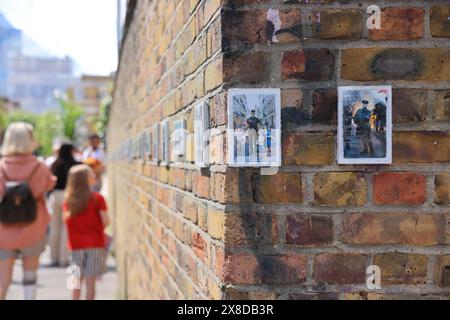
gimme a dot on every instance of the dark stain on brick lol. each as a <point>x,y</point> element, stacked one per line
<point>397,64</point>
<point>319,64</point>
<point>293,115</point>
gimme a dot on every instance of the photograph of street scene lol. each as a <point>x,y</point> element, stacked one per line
<point>254,127</point>
<point>365,125</point>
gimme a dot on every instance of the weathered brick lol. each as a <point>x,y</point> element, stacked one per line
<point>201,184</point>
<point>370,64</point>
<point>421,147</point>
<point>214,75</point>
<point>308,230</point>
<point>442,188</point>
<point>340,268</point>
<point>401,268</point>
<point>215,224</point>
<point>308,64</point>
<point>200,247</point>
<point>399,23</point>
<point>441,105</point>
<point>392,228</point>
<point>279,188</point>
<point>239,185</point>
<point>399,188</point>
<point>442,271</point>
<point>218,109</point>
<point>252,26</point>
<point>249,68</point>
<point>250,229</point>
<point>324,106</point>
<point>410,105</point>
<point>217,188</point>
<point>339,188</point>
<point>177,178</point>
<point>251,269</point>
<point>439,23</point>
<point>338,24</point>
<point>291,107</point>
<point>308,148</point>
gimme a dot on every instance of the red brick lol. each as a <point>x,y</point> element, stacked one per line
<point>249,68</point>
<point>201,185</point>
<point>399,188</point>
<point>400,23</point>
<point>200,247</point>
<point>340,268</point>
<point>324,106</point>
<point>293,64</point>
<point>308,64</point>
<point>177,178</point>
<point>309,230</point>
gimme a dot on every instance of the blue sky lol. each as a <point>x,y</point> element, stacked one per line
<point>85,30</point>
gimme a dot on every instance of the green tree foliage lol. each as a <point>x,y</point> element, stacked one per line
<point>70,115</point>
<point>50,125</point>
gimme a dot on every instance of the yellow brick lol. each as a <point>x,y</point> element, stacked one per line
<point>215,224</point>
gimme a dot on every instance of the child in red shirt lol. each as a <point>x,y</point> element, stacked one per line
<point>86,217</point>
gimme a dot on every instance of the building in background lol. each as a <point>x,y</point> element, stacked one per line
<point>28,74</point>
<point>7,105</point>
<point>89,92</point>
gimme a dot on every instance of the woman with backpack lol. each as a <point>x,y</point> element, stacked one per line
<point>24,181</point>
<point>58,235</point>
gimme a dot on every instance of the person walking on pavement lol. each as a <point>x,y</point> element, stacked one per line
<point>24,181</point>
<point>58,235</point>
<point>86,217</point>
<point>95,156</point>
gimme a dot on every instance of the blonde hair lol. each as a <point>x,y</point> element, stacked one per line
<point>78,190</point>
<point>19,140</point>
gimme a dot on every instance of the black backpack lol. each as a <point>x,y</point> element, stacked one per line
<point>18,205</point>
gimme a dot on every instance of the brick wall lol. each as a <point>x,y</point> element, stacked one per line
<point>311,230</point>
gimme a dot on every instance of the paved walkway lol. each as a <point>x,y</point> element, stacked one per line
<point>52,282</point>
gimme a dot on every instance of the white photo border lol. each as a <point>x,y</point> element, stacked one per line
<point>230,129</point>
<point>340,132</point>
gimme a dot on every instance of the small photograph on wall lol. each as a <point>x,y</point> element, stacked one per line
<point>165,143</point>
<point>155,142</point>
<point>179,138</point>
<point>148,142</point>
<point>254,128</point>
<point>365,125</point>
<point>201,130</point>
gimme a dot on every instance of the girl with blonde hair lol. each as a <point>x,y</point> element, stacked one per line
<point>86,218</point>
